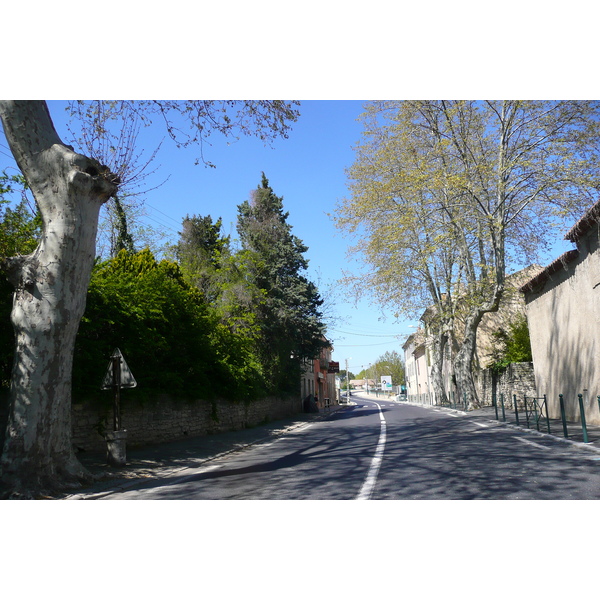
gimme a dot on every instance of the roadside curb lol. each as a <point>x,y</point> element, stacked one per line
<point>581,445</point>
<point>167,471</point>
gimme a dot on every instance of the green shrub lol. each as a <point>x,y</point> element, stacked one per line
<point>512,345</point>
<point>171,339</point>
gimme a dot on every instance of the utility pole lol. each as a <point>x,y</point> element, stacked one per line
<point>347,382</point>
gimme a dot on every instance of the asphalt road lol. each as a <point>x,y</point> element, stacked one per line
<point>386,450</point>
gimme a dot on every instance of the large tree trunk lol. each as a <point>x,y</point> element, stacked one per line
<point>437,362</point>
<point>49,300</point>
<point>463,362</point>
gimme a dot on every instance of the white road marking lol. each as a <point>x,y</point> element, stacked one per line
<point>531,443</point>
<point>481,424</point>
<point>367,488</point>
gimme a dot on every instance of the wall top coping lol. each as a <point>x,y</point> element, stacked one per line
<point>589,219</point>
<point>560,263</point>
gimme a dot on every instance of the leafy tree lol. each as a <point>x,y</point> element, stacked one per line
<point>512,345</point>
<point>494,178</point>
<point>408,249</point>
<point>172,340</point>
<point>351,376</point>
<point>391,363</point>
<point>200,252</point>
<point>20,229</point>
<point>223,276</point>
<point>289,317</point>
<point>51,284</point>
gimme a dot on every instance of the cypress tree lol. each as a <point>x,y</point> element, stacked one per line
<point>290,317</point>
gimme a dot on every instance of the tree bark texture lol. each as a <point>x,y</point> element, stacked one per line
<point>463,362</point>
<point>49,299</point>
<point>437,362</point>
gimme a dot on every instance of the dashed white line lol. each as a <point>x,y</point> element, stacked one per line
<point>367,488</point>
<point>531,443</point>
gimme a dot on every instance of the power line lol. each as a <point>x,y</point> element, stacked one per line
<point>370,334</point>
<point>160,223</point>
<point>360,345</point>
<point>162,213</point>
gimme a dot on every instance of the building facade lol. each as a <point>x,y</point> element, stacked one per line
<point>563,313</point>
<point>416,368</point>
<point>317,381</point>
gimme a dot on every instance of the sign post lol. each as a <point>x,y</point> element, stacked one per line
<point>118,375</point>
<point>386,383</point>
<point>116,384</point>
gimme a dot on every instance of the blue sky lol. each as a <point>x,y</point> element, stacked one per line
<point>308,170</point>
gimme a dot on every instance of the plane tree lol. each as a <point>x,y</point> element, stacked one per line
<point>476,186</point>
<point>400,217</point>
<point>51,282</point>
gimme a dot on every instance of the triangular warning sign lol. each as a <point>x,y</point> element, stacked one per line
<point>127,379</point>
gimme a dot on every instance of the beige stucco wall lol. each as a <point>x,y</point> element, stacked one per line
<point>563,318</point>
<point>416,369</point>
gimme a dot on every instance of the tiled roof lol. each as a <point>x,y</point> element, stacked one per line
<point>552,268</point>
<point>590,218</point>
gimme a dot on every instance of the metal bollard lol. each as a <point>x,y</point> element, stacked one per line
<point>526,411</point>
<point>535,412</point>
<point>502,405</point>
<point>562,415</point>
<point>547,413</point>
<point>495,405</point>
<point>583,425</point>
<point>516,409</point>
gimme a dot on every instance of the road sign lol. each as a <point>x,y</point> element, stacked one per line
<point>126,376</point>
<point>386,382</point>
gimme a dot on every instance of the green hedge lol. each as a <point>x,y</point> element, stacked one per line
<point>171,339</point>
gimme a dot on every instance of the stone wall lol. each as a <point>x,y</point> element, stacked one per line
<point>517,378</point>
<point>166,419</point>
